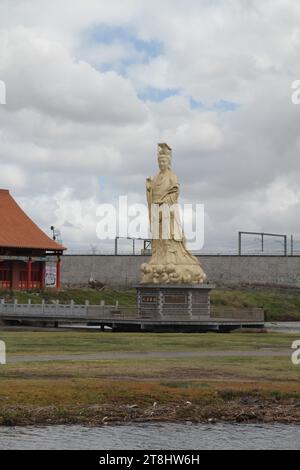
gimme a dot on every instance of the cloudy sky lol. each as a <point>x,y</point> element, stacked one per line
<point>93,85</point>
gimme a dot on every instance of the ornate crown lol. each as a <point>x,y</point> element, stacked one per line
<point>164,149</point>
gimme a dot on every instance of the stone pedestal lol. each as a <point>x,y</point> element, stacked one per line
<point>178,301</point>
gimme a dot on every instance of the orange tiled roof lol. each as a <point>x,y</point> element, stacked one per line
<point>17,230</point>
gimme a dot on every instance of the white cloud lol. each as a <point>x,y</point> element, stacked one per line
<point>41,74</point>
<point>12,176</point>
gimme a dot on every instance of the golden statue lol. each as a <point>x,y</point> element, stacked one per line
<point>171,262</point>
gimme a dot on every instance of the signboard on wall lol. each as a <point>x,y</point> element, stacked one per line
<point>50,275</point>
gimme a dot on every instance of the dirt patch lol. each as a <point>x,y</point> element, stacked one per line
<point>245,410</point>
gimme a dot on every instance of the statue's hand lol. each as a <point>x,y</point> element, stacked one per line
<point>148,183</point>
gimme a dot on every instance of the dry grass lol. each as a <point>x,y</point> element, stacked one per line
<point>245,388</point>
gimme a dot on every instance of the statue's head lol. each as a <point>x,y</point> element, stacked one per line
<point>164,156</point>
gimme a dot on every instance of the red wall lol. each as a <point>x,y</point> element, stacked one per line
<point>13,274</point>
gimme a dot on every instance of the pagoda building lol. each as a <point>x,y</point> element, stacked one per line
<point>24,249</point>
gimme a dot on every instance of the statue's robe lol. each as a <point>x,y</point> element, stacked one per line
<point>171,261</point>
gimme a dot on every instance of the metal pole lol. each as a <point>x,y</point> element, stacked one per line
<point>285,245</point>
<point>29,274</point>
<point>262,242</point>
<point>133,246</point>
<point>116,246</point>
<point>240,243</point>
<point>58,261</point>
<point>292,245</point>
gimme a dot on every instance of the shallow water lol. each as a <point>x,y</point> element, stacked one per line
<point>153,436</point>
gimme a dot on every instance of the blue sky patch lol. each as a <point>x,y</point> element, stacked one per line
<point>109,34</point>
<point>157,94</point>
<point>221,105</point>
<point>224,105</point>
<point>140,51</point>
<point>194,104</point>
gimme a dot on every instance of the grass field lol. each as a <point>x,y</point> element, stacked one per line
<point>40,342</point>
<point>229,388</point>
<point>278,303</point>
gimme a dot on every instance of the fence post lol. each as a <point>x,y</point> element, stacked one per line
<point>71,306</point>
<point>43,306</point>
<point>2,305</point>
<point>87,303</point>
<point>15,305</point>
<point>29,305</point>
